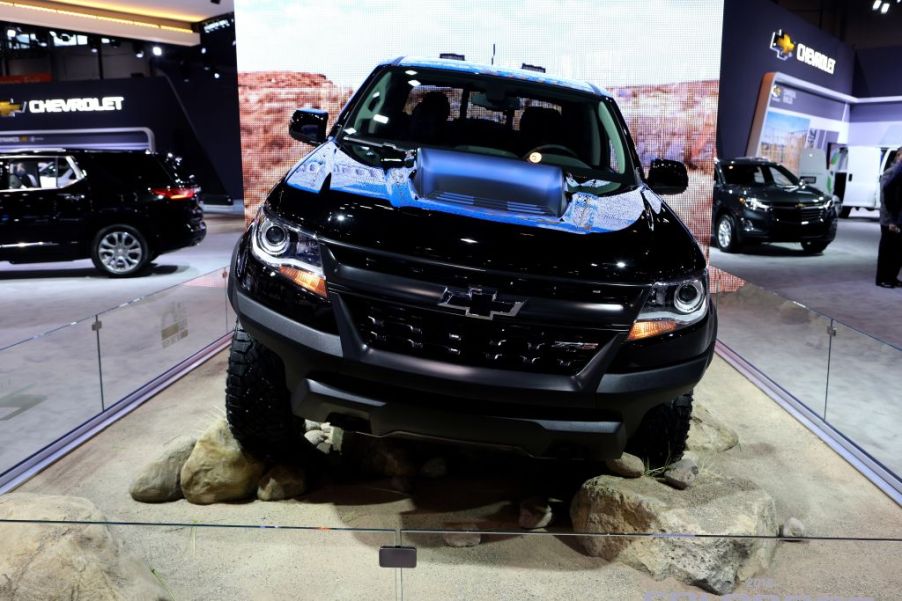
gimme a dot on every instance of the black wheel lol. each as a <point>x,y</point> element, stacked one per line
<point>814,247</point>
<point>727,234</point>
<point>258,407</point>
<point>845,212</point>
<point>661,437</point>
<point>120,251</point>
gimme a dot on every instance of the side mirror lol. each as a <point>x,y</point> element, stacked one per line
<point>668,177</point>
<point>309,125</point>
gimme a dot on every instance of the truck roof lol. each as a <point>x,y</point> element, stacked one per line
<point>499,71</point>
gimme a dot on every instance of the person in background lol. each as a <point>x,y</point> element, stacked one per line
<point>889,253</point>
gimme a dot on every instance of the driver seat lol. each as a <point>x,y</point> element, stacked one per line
<point>540,125</point>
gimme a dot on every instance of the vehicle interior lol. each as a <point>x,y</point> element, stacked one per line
<point>491,116</point>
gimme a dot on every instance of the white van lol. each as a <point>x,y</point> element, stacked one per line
<point>852,174</point>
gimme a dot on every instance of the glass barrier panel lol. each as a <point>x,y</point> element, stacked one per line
<point>864,399</point>
<point>541,566</point>
<point>141,340</point>
<point>49,385</point>
<point>781,338</point>
<point>80,558</point>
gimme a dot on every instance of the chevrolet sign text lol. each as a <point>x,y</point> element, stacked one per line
<point>76,105</point>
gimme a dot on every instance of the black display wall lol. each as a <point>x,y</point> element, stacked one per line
<point>746,56</point>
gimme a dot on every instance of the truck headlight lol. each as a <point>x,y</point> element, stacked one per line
<point>753,203</point>
<point>671,306</point>
<point>294,253</point>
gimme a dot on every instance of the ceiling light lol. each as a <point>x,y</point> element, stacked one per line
<point>877,4</point>
<point>884,8</point>
<point>11,33</point>
<point>138,49</point>
<point>157,51</point>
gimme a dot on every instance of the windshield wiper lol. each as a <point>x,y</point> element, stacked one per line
<point>390,153</point>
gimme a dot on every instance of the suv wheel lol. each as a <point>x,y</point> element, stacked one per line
<point>120,251</point>
<point>727,234</point>
<point>661,437</point>
<point>258,406</point>
<point>845,212</point>
<point>814,246</point>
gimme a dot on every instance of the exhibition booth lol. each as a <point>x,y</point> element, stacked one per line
<point>140,456</point>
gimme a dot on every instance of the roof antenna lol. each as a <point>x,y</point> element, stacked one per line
<point>493,53</point>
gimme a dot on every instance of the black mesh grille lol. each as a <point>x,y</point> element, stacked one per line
<point>477,342</point>
<point>797,215</point>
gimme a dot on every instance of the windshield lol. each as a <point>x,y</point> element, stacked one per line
<point>412,107</point>
<point>759,175</point>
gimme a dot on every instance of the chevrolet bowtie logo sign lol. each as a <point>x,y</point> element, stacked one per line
<point>8,108</point>
<point>481,303</point>
<point>782,44</point>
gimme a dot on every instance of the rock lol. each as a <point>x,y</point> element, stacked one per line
<point>714,505</point>
<point>158,481</point>
<point>282,482</point>
<point>315,437</point>
<point>681,474</point>
<point>708,433</point>
<point>462,539</point>
<point>436,467</point>
<point>535,512</point>
<point>67,561</point>
<point>628,466</point>
<point>377,456</point>
<point>337,438</point>
<point>326,428</point>
<point>324,447</point>
<point>792,530</point>
<point>309,425</point>
<point>218,469</point>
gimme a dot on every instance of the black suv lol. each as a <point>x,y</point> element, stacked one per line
<point>121,209</point>
<point>757,200</point>
<point>471,254</point>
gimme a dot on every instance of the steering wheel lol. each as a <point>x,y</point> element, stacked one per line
<point>564,150</point>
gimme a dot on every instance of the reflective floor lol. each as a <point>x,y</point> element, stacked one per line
<point>38,297</point>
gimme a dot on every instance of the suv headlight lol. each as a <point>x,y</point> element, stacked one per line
<point>753,203</point>
<point>290,250</point>
<point>671,306</point>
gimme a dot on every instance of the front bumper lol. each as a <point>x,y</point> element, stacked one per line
<point>333,377</point>
<point>771,227</point>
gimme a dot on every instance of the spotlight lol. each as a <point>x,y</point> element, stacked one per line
<point>876,5</point>
<point>11,33</point>
<point>884,8</point>
<point>216,75</point>
<point>94,44</point>
<point>157,51</point>
<point>138,49</point>
<point>203,49</point>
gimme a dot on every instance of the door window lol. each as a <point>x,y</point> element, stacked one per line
<point>30,174</point>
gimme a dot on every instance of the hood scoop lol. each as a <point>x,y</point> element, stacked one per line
<point>487,182</point>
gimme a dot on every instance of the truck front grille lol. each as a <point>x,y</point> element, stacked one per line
<point>499,344</point>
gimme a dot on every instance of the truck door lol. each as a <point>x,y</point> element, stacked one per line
<point>863,177</point>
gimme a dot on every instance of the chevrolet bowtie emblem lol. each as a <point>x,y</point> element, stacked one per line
<point>8,108</point>
<point>782,44</point>
<point>481,303</point>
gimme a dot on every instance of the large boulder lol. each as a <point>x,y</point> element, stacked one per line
<point>42,561</point>
<point>378,456</point>
<point>282,482</point>
<point>218,469</point>
<point>708,433</point>
<point>158,481</point>
<point>713,505</point>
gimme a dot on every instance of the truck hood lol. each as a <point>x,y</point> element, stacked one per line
<point>619,234</point>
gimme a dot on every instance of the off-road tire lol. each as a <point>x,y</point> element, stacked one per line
<point>661,437</point>
<point>258,406</point>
